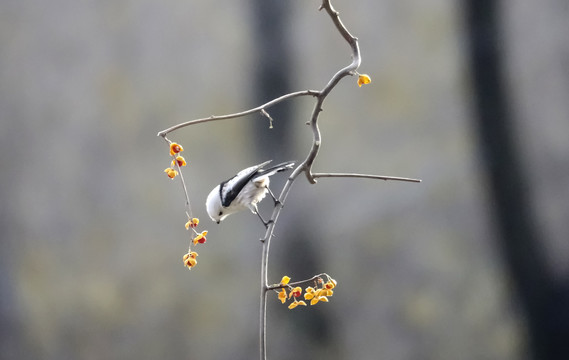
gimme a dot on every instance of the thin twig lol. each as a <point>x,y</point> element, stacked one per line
<point>260,108</point>
<point>366,176</point>
<point>293,284</point>
<point>267,115</point>
<point>188,204</point>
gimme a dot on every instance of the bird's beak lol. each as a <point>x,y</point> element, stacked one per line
<point>217,222</point>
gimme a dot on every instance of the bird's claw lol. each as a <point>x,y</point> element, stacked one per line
<point>267,223</point>
<point>275,200</point>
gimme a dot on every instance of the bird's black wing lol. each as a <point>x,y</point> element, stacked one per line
<point>229,189</point>
<point>275,169</point>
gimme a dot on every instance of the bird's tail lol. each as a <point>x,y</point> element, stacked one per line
<point>276,168</point>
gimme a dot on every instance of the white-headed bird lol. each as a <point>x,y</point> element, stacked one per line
<point>243,191</point>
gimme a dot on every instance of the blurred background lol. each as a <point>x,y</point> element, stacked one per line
<point>469,96</point>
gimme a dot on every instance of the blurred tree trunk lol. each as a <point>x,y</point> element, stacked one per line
<point>543,301</point>
<point>272,72</point>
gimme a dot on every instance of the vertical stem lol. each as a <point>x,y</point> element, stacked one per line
<point>266,241</point>
<point>305,166</point>
<point>263,301</point>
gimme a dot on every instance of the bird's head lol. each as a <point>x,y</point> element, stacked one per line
<point>213,205</point>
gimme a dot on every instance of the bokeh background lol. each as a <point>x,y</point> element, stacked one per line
<point>92,230</point>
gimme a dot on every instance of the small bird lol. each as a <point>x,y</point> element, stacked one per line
<point>243,191</point>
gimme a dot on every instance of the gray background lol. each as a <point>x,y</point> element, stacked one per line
<point>92,230</point>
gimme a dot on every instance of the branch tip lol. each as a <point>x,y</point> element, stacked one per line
<point>266,114</point>
<point>365,176</point>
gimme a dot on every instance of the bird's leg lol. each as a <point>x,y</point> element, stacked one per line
<point>266,223</point>
<point>277,201</point>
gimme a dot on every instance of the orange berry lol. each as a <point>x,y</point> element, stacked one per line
<point>363,79</point>
<point>175,148</point>
<point>296,292</point>
<point>179,160</point>
<point>171,173</point>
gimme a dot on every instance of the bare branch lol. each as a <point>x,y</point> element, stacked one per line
<point>306,165</point>
<point>300,282</point>
<point>335,15</point>
<point>266,114</point>
<point>188,205</point>
<point>352,41</point>
<point>261,108</point>
<point>348,70</point>
<point>366,176</point>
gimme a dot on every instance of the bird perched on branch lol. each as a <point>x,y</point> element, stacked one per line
<point>243,191</point>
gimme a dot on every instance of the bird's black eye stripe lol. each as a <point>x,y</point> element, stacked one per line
<point>220,213</point>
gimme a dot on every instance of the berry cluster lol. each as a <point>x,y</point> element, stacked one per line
<point>178,161</point>
<point>320,292</point>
